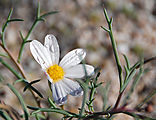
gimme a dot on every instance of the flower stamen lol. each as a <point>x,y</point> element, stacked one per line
<point>56,73</point>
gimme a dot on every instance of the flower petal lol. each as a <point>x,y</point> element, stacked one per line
<point>59,95</point>
<point>40,54</point>
<point>48,77</point>
<point>52,45</point>
<point>71,87</point>
<point>73,58</point>
<point>64,87</point>
<point>78,71</point>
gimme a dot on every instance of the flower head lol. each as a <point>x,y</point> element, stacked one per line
<point>60,74</point>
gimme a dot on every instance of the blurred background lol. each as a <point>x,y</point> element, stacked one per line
<point>77,25</point>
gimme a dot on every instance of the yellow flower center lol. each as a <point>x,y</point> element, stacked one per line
<point>56,73</point>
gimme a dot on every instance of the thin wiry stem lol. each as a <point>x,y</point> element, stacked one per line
<point>83,102</point>
<point>114,46</point>
<point>123,110</point>
<point>118,100</point>
<point>14,61</point>
<point>25,39</point>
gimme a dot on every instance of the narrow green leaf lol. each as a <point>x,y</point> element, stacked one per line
<point>32,108</point>
<point>4,55</point>
<point>41,19</point>
<point>28,41</point>
<point>38,10</point>
<point>38,18</point>
<point>19,80</point>
<point>114,46</point>
<point>106,16</point>
<point>37,117</point>
<point>105,95</point>
<point>21,35</point>
<point>26,113</point>
<point>10,68</point>
<point>111,21</point>
<point>4,115</point>
<point>97,85</point>
<point>134,84</point>
<point>36,91</point>
<point>4,27</point>
<point>105,29</point>
<point>128,80</point>
<point>97,76</point>
<point>28,85</point>
<point>35,81</point>
<point>9,16</point>
<point>135,66</point>
<point>85,87</point>
<point>56,110</point>
<point>14,20</point>
<point>10,13</point>
<point>10,20</point>
<point>146,99</point>
<point>51,103</point>
<point>49,13</point>
<point>127,62</point>
<point>127,73</point>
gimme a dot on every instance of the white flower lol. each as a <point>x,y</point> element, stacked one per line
<point>60,74</point>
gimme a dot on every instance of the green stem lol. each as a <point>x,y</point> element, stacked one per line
<point>109,21</point>
<point>25,39</point>
<point>110,31</point>
<point>118,100</point>
<point>146,99</point>
<point>4,115</point>
<point>85,89</point>
<point>4,27</point>
<point>129,112</point>
<point>56,110</point>
<point>10,68</point>
<point>13,60</point>
<point>91,97</point>
<point>2,36</point>
<point>34,24</point>
<point>21,100</point>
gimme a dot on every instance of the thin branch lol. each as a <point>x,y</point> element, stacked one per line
<point>123,110</point>
<point>13,59</point>
<point>111,112</point>
<point>147,61</point>
<point>118,100</point>
<point>114,46</point>
<point>11,111</point>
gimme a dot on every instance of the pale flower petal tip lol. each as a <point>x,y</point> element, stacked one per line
<point>89,69</point>
<point>73,58</point>
<point>52,47</point>
<point>79,71</point>
<point>78,92</point>
<point>61,101</point>
<point>40,54</point>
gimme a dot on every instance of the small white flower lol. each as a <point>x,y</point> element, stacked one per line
<point>60,74</point>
